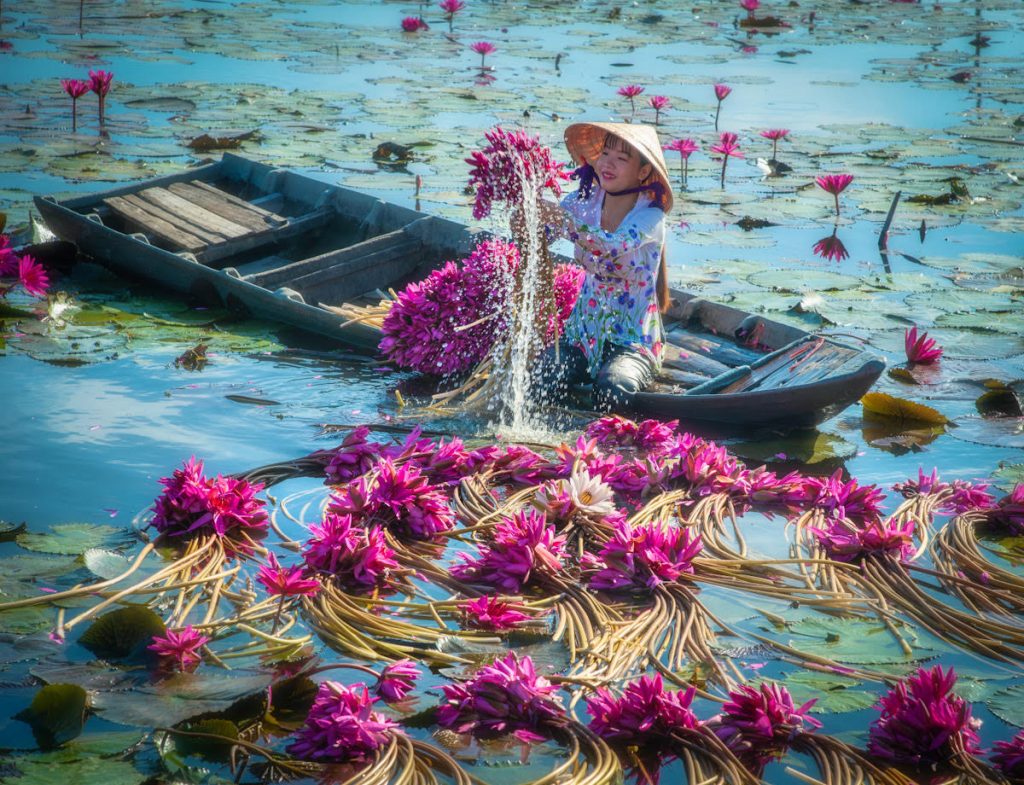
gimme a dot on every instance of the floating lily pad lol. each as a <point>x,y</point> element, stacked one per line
<point>1008,705</point>
<point>851,641</point>
<point>56,714</point>
<point>178,698</point>
<point>72,538</point>
<point>210,749</point>
<point>27,566</point>
<point>887,406</point>
<point>1007,477</point>
<point>57,767</point>
<point>125,632</point>
<point>832,694</point>
<point>803,280</point>
<point>994,431</point>
<point>808,448</point>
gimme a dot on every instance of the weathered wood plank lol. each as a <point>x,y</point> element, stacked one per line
<point>717,348</point>
<point>232,199</point>
<point>225,209</point>
<point>196,215</point>
<point>172,219</point>
<point>295,227</point>
<point>157,227</point>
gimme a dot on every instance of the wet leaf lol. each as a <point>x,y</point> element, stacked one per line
<point>211,749</point>
<point>205,142</point>
<point>90,676</point>
<point>902,375</point>
<point>851,641</point>
<point>999,403</point>
<point>803,280</point>
<point>995,431</point>
<point>61,767</point>
<point>1007,477</point>
<point>804,447</point>
<point>887,406</point>
<point>56,714</point>
<point>178,698</point>
<point>290,701</point>
<point>1008,705</point>
<point>834,694</point>
<point>123,633</point>
<point>26,565</point>
<point>72,538</point>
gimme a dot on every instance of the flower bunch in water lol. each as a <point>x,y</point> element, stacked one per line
<point>525,547</point>
<point>498,171</point>
<point>765,488</point>
<point>645,714</point>
<point>845,541</point>
<point>357,558</point>
<point>839,498</point>
<point>1009,510</point>
<point>505,697</point>
<point>355,456</point>
<point>963,496</point>
<point>560,500</point>
<point>285,581</point>
<point>397,680</point>
<point>759,723</point>
<point>30,275</point>
<point>512,463</point>
<point>399,497</point>
<point>193,505</point>
<point>490,613</point>
<point>1008,757</point>
<point>923,722</point>
<point>652,436</point>
<point>645,556</point>
<point>447,322</point>
<point>704,467</point>
<point>341,726</point>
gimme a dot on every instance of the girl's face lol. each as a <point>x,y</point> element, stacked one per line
<point>620,167</point>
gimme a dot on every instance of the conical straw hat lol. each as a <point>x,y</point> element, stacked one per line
<point>585,141</point>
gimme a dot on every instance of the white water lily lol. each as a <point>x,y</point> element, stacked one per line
<point>58,306</point>
<point>591,495</point>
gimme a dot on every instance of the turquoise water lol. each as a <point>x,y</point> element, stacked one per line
<point>87,442</point>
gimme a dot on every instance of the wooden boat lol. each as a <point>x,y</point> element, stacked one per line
<point>278,244</point>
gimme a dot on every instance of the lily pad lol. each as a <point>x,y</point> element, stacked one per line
<point>28,565</point>
<point>994,431</point>
<point>852,641</point>
<point>72,538</point>
<point>125,632</point>
<point>56,714</point>
<point>832,694</point>
<point>1008,477</point>
<point>807,448</point>
<point>211,749</point>
<point>1008,705</point>
<point>887,406</point>
<point>56,767</point>
<point>803,280</point>
<point>178,698</point>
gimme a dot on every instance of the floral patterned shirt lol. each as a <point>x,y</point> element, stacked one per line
<point>618,302</point>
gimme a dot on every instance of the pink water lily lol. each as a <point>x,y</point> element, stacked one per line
<point>834,184</point>
<point>839,498</point>
<point>1009,511</point>
<point>358,559</point>
<point>775,134</point>
<point>759,724</point>
<point>451,8</point>
<point>750,6</point>
<point>99,83</point>
<point>721,92</point>
<point>643,556</point>
<point>923,722</point>
<point>413,24</point>
<point>483,48</point>
<point>920,348</point>
<point>341,726</point>
<point>490,613</point>
<point>285,581</point>
<point>685,148</point>
<point>75,88</point>
<point>659,103</point>
<point>397,680</point>
<point>728,147</point>
<point>645,715</point>
<point>181,646</point>
<point>631,91</point>
<point>32,276</point>
<point>1008,757</point>
<point>507,696</point>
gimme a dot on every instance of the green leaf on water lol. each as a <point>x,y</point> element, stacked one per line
<point>806,447</point>
<point>211,749</point>
<point>125,632</point>
<point>71,538</point>
<point>1008,705</point>
<point>55,767</point>
<point>1009,476</point>
<point>834,694</point>
<point>29,565</point>
<point>290,701</point>
<point>56,714</point>
<point>852,641</point>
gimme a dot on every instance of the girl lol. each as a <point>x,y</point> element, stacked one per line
<point>616,221</point>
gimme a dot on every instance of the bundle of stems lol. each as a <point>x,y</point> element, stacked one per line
<point>965,572</point>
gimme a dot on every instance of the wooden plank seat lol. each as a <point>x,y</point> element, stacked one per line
<point>227,205</point>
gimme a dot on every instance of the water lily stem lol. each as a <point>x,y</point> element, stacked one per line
<point>277,616</point>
